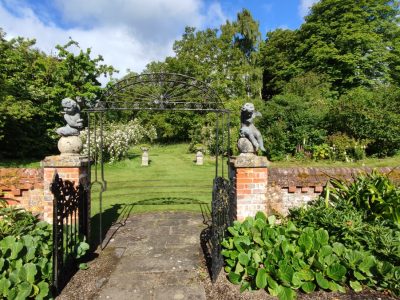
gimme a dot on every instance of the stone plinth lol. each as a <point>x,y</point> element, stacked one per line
<point>250,177</point>
<point>69,167</point>
<point>199,158</point>
<point>145,158</point>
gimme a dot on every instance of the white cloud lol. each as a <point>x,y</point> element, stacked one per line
<point>214,17</point>
<point>151,20</point>
<point>127,33</point>
<point>304,7</point>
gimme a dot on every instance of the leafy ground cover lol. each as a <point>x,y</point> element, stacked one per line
<point>349,238</point>
<point>25,255</point>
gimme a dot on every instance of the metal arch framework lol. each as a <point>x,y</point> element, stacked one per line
<point>168,92</point>
<point>160,91</point>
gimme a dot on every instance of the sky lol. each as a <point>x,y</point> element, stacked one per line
<point>131,33</point>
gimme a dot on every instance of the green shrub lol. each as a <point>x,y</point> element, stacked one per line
<point>283,258</point>
<point>16,221</point>
<point>118,139</point>
<point>347,225</point>
<point>25,255</point>
<point>373,194</point>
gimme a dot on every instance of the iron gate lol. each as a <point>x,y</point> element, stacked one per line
<point>166,92</point>
<point>70,226</point>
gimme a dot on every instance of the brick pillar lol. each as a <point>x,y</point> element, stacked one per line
<point>69,167</point>
<point>250,176</point>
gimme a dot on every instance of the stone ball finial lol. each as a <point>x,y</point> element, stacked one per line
<point>70,145</point>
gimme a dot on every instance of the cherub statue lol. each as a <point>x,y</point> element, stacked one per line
<point>249,131</point>
<point>72,117</point>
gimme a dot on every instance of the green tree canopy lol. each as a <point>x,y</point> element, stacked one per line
<point>32,85</point>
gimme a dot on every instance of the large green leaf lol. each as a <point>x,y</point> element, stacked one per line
<point>354,257</point>
<point>356,286</point>
<point>234,278</point>
<point>308,287</point>
<point>285,272</point>
<point>367,264</point>
<point>4,286</point>
<point>256,258</point>
<point>244,286</point>
<point>24,290</point>
<point>386,270</point>
<point>244,259</point>
<point>1,264</point>
<point>7,242</point>
<point>336,272</point>
<point>334,287</point>
<point>305,242</point>
<point>233,231</point>
<point>16,248</point>
<point>306,275</point>
<point>322,282</point>
<point>338,248</point>
<point>261,278</point>
<point>239,268</point>
<point>325,251</point>
<point>14,277</point>
<point>322,236</point>
<point>260,216</point>
<point>31,271</point>
<point>286,293</point>
<point>296,280</point>
<point>271,220</point>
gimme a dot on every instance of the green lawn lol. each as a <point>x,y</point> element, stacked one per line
<point>172,181</point>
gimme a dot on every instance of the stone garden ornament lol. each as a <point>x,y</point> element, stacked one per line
<point>250,139</point>
<point>70,142</point>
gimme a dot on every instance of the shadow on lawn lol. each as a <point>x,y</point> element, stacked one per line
<point>116,216</point>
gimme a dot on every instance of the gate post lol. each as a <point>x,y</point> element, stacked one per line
<point>250,178</point>
<point>73,168</point>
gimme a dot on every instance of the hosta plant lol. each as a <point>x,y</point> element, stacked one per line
<point>25,264</point>
<point>284,258</point>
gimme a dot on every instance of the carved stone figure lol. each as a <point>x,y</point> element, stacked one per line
<point>72,117</point>
<point>250,137</point>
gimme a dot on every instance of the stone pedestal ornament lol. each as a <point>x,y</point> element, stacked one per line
<point>250,139</point>
<point>199,158</point>
<point>145,156</point>
<point>70,145</point>
<point>70,142</point>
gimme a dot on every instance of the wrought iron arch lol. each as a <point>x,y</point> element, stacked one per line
<point>160,91</point>
<point>169,92</point>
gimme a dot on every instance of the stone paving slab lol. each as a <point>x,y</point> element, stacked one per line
<point>160,254</point>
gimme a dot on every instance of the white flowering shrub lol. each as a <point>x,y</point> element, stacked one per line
<point>117,139</point>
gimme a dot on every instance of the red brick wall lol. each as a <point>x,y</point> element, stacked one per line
<point>293,187</point>
<point>23,187</point>
<point>276,190</point>
<point>251,184</point>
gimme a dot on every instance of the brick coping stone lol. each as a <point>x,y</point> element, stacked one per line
<point>249,160</point>
<point>71,160</point>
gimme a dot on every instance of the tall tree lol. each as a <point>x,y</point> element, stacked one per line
<point>226,58</point>
<point>351,41</point>
<point>277,59</point>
